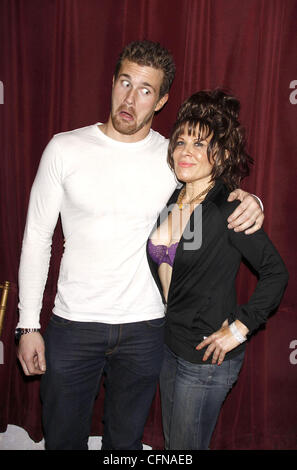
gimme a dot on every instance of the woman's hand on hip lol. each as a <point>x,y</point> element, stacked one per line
<point>221,342</point>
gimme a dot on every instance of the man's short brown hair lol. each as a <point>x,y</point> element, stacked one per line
<point>151,54</point>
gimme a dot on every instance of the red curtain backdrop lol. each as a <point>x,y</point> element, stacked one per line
<point>56,64</point>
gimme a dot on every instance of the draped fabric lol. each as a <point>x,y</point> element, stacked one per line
<point>57,59</point>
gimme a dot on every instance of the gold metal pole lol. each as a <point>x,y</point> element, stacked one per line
<point>3,302</point>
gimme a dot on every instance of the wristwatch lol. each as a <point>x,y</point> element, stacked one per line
<point>23,331</point>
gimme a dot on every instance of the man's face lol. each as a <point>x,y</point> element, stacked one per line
<point>135,98</point>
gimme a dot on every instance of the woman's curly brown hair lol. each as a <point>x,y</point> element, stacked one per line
<point>214,114</point>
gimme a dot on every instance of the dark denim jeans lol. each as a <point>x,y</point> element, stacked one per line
<point>192,396</point>
<point>76,355</point>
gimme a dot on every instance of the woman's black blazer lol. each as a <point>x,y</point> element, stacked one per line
<point>202,292</point>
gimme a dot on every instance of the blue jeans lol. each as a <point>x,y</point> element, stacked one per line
<point>76,355</point>
<point>192,396</point>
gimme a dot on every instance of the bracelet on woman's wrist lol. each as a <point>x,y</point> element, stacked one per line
<point>236,333</point>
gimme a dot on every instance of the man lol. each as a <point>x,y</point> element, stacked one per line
<point>108,181</point>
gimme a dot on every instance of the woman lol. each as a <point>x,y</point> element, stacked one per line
<point>194,259</point>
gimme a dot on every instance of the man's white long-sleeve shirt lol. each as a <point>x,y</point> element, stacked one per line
<point>109,194</point>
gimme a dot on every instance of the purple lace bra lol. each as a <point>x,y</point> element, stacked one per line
<point>162,253</point>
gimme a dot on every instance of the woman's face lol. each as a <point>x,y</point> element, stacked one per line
<point>190,158</point>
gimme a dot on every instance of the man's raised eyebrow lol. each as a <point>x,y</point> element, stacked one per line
<point>146,84</point>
